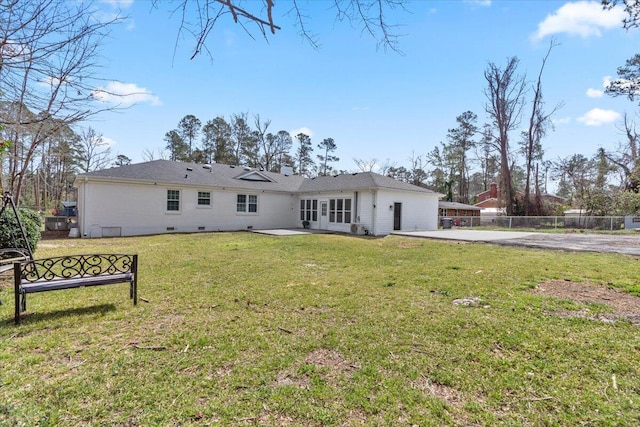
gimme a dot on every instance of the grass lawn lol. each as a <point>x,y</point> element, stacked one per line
<point>244,329</point>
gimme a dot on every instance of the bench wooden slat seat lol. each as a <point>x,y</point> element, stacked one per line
<point>43,286</point>
<point>73,271</point>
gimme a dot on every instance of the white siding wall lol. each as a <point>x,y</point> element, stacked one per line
<point>107,209</point>
<point>419,211</point>
<point>138,209</point>
<point>365,210</point>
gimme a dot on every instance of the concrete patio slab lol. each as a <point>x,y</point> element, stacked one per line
<point>577,242</point>
<point>466,235</point>
<point>281,232</point>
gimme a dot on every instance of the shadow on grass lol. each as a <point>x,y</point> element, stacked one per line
<point>101,309</point>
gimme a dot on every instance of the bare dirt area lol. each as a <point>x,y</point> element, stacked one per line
<point>624,306</point>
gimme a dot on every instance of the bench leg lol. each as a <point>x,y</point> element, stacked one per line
<point>134,283</point>
<point>17,312</point>
<point>133,292</point>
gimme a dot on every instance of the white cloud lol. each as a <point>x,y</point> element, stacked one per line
<point>598,93</point>
<point>304,130</point>
<point>599,117</point>
<point>481,3</point>
<point>49,82</point>
<point>581,18</point>
<point>125,94</point>
<point>594,93</point>
<point>113,12</point>
<point>562,121</point>
<point>108,142</point>
<point>122,4</point>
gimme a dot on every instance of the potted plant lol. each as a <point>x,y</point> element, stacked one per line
<point>305,224</point>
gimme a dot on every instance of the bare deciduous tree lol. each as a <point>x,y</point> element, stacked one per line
<point>366,165</point>
<point>627,157</point>
<point>198,18</point>
<point>539,123</point>
<point>94,153</point>
<point>505,95</point>
<point>48,73</point>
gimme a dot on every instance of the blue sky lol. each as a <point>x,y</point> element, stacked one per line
<point>375,104</point>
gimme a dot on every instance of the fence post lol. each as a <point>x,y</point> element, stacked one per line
<point>611,226</point>
<point>510,219</point>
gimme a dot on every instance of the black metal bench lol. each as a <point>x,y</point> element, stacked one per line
<point>73,271</point>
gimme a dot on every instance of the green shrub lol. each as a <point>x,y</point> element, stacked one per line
<point>10,236</point>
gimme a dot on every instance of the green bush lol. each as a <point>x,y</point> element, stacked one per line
<point>10,236</point>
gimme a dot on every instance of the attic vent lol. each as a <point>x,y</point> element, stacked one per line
<point>355,173</point>
<point>189,169</point>
<point>252,175</point>
<point>207,167</point>
<point>247,168</point>
<point>231,166</point>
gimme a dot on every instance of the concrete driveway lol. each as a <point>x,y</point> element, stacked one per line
<point>581,242</point>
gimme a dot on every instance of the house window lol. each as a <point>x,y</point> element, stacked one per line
<point>204,198</point>
<point>308,210</point>
<point>253,203</point>
<point>340,210</point>
<point>247,203</point>
<point>173,200</point>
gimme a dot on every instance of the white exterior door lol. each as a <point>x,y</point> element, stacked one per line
<point>323,224</point>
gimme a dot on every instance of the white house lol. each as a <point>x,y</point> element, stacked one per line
<point>164,196</point>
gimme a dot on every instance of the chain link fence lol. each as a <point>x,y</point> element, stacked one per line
<point>602,223</point>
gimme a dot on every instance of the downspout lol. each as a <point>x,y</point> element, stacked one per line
<point>83,231</point>
<point>356,213</point>
<point>373,212</point>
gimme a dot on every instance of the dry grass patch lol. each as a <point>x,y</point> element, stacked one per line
<point>449,395</point>
<point>331,366</point>
<point>624,305</point>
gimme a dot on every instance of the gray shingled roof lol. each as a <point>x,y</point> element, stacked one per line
<point>357,181</point>
<point>179,173</point>
<point>456,205</point>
